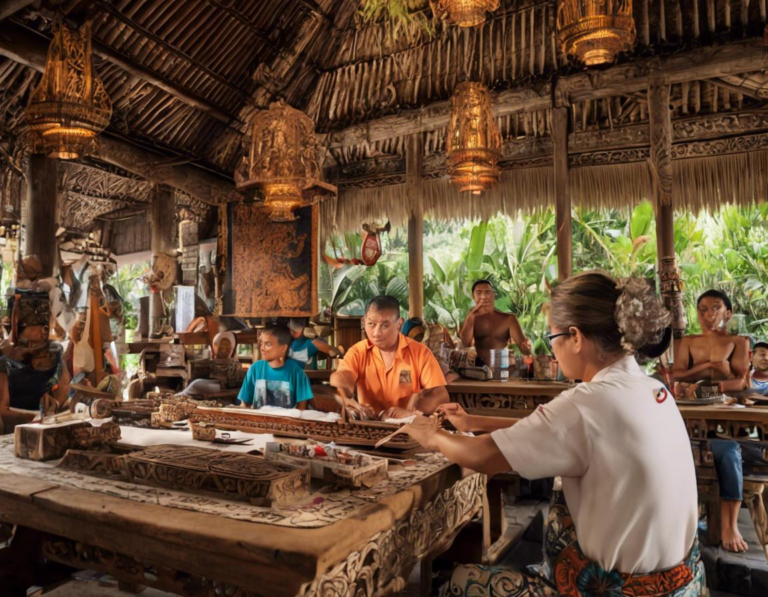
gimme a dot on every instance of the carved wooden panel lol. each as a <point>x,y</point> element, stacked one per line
<point>240,476</point>
<point>353,433</point>
<point>272,266</point>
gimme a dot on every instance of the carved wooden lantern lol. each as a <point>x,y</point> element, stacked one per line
<point>281,160</point>
<point>464,13</point>
<point>474,141</point>
<point>70,106</point>
<point>594,31</point>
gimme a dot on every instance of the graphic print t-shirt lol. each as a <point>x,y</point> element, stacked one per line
<point>304,350</point>
<point>760,386</point>
<point>284,387</point>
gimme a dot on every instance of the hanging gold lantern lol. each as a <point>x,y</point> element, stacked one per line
<point>474,141</point>
<point>594,31</point>
<point>70,106</point>
<point>464,13</point>
<point>281,160</point>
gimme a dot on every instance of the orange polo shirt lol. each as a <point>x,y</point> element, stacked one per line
<point>414,369</point>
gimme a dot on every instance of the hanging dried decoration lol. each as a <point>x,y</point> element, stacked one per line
<point>70,106</point>
<point>464,13</point>
<point>594,31</point>
<point>474,142</point>
<point>281,160</point>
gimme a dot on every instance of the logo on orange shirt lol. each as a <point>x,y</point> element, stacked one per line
<point>405,376</point>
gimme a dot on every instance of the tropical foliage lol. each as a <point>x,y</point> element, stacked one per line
<point>726,249</point>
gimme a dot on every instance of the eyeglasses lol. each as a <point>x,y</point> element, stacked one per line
<point>550,337</point>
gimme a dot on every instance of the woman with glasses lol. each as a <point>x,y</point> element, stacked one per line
<point>628,522</point>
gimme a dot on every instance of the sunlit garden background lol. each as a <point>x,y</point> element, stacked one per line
<point>725,249</point>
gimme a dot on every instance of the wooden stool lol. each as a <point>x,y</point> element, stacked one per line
<point>756,497</point>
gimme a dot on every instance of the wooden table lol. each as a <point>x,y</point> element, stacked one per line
<point>701,419</point>
<point>504,397</point>
<point>370,552</point>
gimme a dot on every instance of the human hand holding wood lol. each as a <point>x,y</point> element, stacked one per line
<point>425,430</point>
<point>353,407</point>
<point>456,415</point>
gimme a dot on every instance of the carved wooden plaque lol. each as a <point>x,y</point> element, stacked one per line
<point>354,433</point>
<point>239,476</point>
<point>271,266</point>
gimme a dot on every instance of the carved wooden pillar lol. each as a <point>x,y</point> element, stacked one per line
<point>162,213</point>
<point>562,192</point>
<point>661,176</point>
<point>40,215</point>
<point>414,157</point>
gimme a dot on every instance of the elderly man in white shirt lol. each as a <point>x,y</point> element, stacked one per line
<point>619,444</point>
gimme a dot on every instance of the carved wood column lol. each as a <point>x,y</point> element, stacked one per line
<point>414,158</point>
<point>660,116</point>
<point>562,192</point>
<point>40,215</point>
<point>162,213</point>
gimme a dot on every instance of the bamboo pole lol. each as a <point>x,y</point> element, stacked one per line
<point>414,158</point>
<point>562,192</point>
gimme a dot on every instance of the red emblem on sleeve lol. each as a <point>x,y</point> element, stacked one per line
<point>661,394</point>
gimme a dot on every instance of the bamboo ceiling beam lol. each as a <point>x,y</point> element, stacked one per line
<point>30,48</point>
<point>11,7</point>
<point>171,49</point>
<point>193,181</point>
<point>625,79</point>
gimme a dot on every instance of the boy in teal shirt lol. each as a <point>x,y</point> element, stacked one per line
<point>305,349</point>
<point>276,380</point>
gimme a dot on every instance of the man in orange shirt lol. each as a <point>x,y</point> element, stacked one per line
<point>394,376</point>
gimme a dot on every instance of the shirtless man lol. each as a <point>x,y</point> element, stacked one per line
<point>717,356</point>
<point>488,329</point>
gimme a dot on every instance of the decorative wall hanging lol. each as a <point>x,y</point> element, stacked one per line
<point>370,250</point>
<point>281,161</point>
<point>594,31</point>
<point>271,267</point>
<point>70,107</point>
<point>474,141</point>
<point>464,13</point>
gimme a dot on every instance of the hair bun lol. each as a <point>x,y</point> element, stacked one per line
<point>640,315</point>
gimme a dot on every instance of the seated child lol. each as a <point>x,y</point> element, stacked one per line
<point>305,349</point>
<point>275,380</point>
<point>759,380</point>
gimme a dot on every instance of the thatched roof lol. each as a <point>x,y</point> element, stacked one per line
<point>185,76</point>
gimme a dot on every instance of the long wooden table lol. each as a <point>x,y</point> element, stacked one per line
<point>368,552</point>
<point>504,397</point>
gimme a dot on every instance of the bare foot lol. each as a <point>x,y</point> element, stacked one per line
<point>732,540</point>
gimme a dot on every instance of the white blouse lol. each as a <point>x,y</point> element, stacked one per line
<point>620,445</point>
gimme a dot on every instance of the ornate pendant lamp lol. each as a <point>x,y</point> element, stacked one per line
<point>70,107</point>
<point>281,160</point>
<point>594,31</point>
<point>474,141</point>
<point>464,13</point>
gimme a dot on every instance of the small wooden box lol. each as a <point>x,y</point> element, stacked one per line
<point>47,442</point>
<point>349,475</point>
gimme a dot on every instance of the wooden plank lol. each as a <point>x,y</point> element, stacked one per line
<point>40,215</point>
<point>758,414</point>
<point>243,553</point>
<point>512,387</point>
<point>11,7</point>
